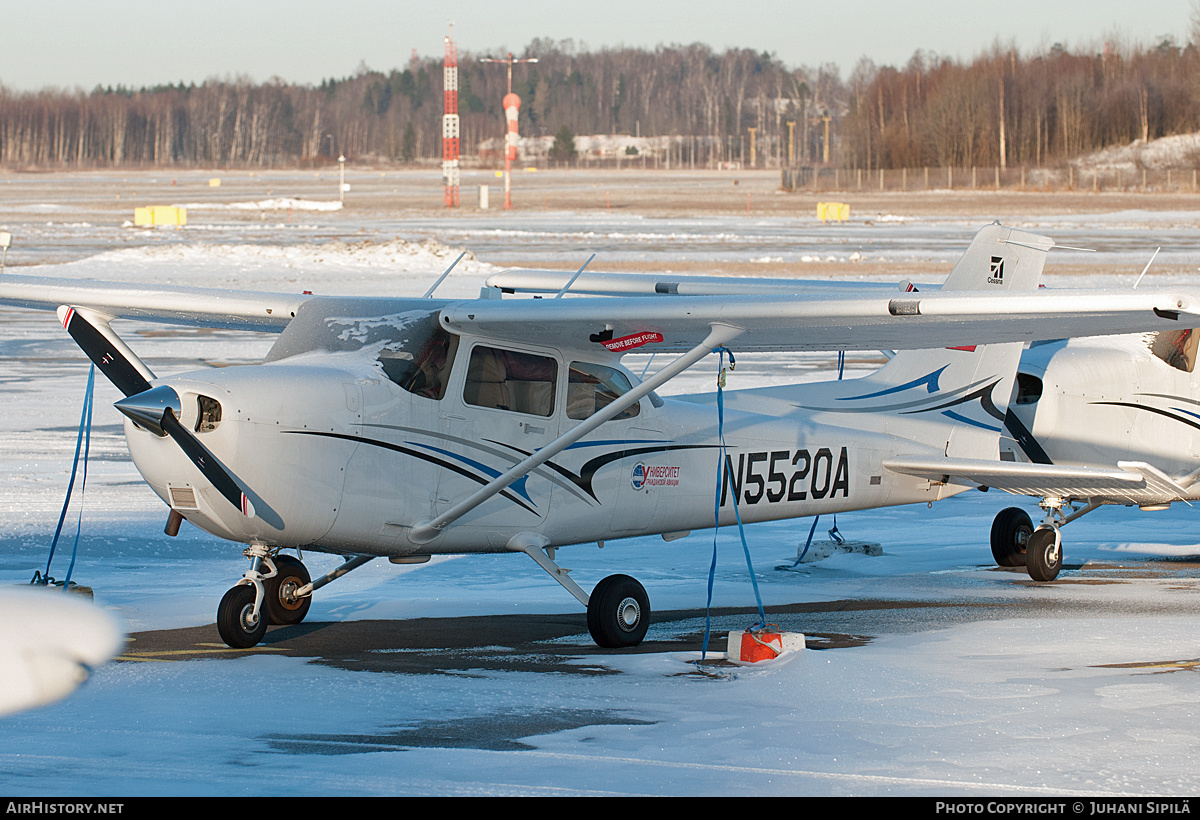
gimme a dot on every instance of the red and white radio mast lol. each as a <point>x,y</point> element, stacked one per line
<point>512,106</point>
<point>450,123</point>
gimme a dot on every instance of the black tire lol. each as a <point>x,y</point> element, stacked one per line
<point>1010,533</point>
<point>618,612</point>
<point>283,607</point>
<point>233,618</point>
<point>1041,558</point>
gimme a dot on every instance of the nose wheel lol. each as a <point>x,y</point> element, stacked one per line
<point>1043,553</point>
<point>1010,536</point>
<point>240,621</point>
<point>269,593</point>
<point>284,606</point>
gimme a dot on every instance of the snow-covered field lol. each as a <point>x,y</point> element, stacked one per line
<point>995,687</point>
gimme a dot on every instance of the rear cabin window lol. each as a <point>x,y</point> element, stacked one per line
<point>592,387</point>
<point>511,380</point>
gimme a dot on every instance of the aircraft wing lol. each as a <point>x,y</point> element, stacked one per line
<point>521,280</point>
<point>1127,483</point>
<point>205,307</point>
<point>829,322</point>
<point>850,320</point>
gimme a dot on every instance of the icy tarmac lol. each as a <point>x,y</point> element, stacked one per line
<point>943,676</point>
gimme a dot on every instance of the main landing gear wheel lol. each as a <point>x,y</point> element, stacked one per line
<point>618,612</point>
<point>283,607</point>
<point>1043,554</point>
<point>236,623</point>
<point>1010,534</point>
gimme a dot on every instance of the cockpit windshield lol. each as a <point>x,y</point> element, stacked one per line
<point>410,345</point>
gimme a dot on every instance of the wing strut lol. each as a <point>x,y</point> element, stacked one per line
<point>719,334</point>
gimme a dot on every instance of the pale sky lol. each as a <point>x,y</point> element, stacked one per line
<point>83,43</point>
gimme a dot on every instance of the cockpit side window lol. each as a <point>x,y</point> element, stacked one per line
<point>1177,348</point>
<point>426,372</point>
<point>511,380</point>
<point>592,387</point>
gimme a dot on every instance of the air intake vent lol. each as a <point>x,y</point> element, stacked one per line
<point>183,498</point>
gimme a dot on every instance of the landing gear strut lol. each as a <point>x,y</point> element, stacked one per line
<point>243,612</point>
<point>277,589</point>
<point>618,610</point>
<point>267,594</point>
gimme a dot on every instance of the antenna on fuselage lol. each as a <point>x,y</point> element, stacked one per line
<point>1148,264</point>
<point>434,286</point>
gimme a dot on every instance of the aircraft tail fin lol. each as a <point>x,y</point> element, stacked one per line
<point>959,395</point>
<point>1000,258</point>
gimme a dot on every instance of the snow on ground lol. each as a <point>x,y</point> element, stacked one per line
<point>363,267</point>
<point>1086,688</point>
<point>1180,152</point>
<point>275,204</point>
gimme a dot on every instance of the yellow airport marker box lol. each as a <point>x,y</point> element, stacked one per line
<point>836,211</point>
<point>154,215</point>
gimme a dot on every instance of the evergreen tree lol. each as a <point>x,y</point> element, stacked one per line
<point>563,149</point>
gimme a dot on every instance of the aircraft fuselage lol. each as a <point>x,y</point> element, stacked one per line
<point>337,456</point>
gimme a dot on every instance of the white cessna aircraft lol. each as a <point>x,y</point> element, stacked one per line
<point>1129,405</point>
<point>406,428</point>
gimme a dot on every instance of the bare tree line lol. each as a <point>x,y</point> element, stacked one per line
<point>997,109</point>
<point>1003,109</point>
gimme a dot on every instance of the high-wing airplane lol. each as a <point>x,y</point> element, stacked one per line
<point>404,428</point>
<point>1091,422</point>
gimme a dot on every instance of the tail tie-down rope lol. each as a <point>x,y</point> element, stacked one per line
<point>721,479</point>
<point>83,442</point>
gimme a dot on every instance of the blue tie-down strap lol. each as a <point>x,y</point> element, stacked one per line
<point>721,477</point>
<point>83,444</point>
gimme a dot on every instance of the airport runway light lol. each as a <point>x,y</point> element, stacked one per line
<point>342,178</point>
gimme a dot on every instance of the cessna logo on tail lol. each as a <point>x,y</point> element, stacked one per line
<point>996,273</point>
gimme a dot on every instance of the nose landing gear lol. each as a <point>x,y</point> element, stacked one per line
<point>267,594</point>
<point>1016,542</point>
<point>275,590</point>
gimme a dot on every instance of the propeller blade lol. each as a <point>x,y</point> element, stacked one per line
<point>112,362</point>
<point>154,408</point>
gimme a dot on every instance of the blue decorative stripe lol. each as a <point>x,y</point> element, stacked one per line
<point>959,417</point>
<point>930,382</point>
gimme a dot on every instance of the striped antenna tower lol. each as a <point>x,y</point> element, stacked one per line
<point>450,123</point>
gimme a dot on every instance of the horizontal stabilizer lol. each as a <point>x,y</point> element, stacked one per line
<point>1128,483</point>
